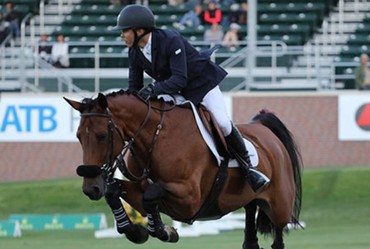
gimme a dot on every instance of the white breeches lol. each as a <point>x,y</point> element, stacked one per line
<point>215,103</point>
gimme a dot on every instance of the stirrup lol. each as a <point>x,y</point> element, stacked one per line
<point>258,181</point>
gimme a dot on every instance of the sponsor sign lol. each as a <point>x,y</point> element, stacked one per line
<point>59,221</point>
<point>10,229</point>
<point>37,118</point>
<point>354,117</point>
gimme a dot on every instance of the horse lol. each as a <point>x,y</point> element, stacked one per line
<point>169,168</point>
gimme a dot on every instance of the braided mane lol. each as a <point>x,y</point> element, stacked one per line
<point>121,92</point>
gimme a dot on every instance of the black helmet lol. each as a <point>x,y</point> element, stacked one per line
<point>135,16</point>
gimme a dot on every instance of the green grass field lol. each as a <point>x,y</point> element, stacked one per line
<point>336,210</point>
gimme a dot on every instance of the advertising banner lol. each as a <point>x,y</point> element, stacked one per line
<point>37,119</point>
<point>60,221</point>
<point>354,117</point>
<point>10,229</point>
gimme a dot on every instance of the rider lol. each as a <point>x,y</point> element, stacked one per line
<point>178,68</point>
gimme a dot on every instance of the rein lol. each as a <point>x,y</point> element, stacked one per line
<point>120,162</point>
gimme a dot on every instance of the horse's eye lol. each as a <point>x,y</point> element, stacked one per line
<point>101,137</point>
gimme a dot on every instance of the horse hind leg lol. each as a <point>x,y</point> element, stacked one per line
<point>278,240</point>
<point>156,228</point>
<point>250,232</point>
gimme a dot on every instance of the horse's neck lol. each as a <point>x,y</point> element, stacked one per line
<point>130,113</point>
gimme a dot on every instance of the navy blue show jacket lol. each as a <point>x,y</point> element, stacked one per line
<point>177,67</point>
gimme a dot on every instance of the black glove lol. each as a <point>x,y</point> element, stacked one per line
<point>147,92</point>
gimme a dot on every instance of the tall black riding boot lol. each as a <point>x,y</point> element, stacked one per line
<point>236,146</point>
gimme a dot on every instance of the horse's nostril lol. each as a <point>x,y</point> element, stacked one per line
<point>96,191</point>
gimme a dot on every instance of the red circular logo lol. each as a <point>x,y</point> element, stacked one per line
<point>363,117</point>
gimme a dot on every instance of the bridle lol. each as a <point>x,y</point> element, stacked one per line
<point>108,168</point>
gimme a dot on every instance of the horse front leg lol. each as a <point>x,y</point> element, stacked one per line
<point>151,198</point>
<point>134,232</point>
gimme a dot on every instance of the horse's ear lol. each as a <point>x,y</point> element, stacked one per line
<point>75,104</point>
<point>102,100</point>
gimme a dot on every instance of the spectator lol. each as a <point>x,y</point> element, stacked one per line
<point>362,74</point>
<point>191,18</point>
<point>44,48</point>
<point>192,3</point>
<point>118,2</point>
<point>231,38</point>
<point>175,2</point>
<point>233,16</point>
<point>243,14</point>
<point>2,28</point>
<point>11,19</point>
<point>212,14</point>
<point>227,2</point>
<point>59,53</point>
<point>126,2</point>
<point>214,35</point>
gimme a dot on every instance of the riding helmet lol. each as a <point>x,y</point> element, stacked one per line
<point>135,16</point>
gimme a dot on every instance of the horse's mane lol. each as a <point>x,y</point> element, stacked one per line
<point>135,93</point>
<point>89,103</point>
<point>121,92</point>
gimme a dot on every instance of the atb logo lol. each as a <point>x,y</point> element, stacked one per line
<point>363,117</point>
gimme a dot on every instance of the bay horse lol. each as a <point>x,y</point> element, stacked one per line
<point>171,170</point>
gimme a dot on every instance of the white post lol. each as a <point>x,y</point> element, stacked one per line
<point>37,71</point>
<point>60,7</point>
<point>273,62</point>
<point>97,67</point>
<point>325,36</point>
<point>341,10</point>
<point>252,37</point>
<point>42,16</point>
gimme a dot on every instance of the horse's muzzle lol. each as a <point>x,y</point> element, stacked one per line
<point>88,171</point>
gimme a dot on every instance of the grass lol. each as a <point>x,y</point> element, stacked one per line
<point>47,197</point>
<point>335,209</point>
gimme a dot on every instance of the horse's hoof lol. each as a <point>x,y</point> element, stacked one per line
<point>172,234</point>
<point>166,234</point>
<point>136,233</point>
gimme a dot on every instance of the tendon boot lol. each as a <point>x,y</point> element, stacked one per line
<point>257,180</point>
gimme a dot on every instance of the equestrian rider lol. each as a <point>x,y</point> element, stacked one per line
<point>178,68</point>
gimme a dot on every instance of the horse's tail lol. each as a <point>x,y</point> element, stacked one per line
<point>271,121</point>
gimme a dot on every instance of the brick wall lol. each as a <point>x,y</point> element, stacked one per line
<point>31,161</point>
<point>312,118</point>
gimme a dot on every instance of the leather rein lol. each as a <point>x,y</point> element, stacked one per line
<point>109,167</point>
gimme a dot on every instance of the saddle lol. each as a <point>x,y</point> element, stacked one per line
<point>214,130</point>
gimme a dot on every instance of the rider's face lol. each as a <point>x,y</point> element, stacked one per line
<point>128,36</point>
